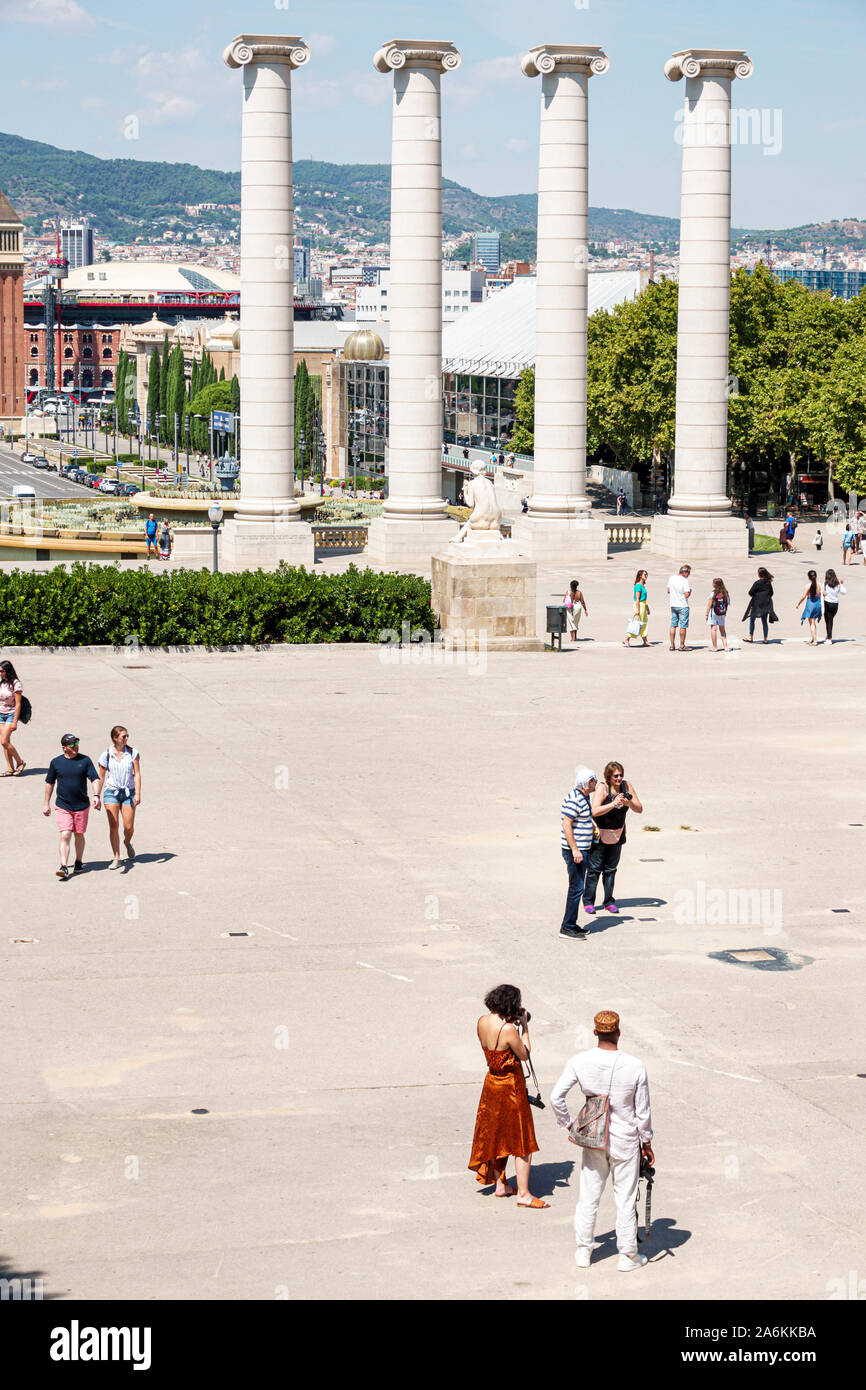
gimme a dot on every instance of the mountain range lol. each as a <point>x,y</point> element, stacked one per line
<point>126,198</point>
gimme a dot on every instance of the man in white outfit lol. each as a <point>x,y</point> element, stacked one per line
<point>603,1071</point>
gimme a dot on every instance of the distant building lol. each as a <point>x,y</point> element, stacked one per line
<point>11,315</point>
<point>461,288</point>
<point>302,258</point>
<point>76,244</point>
<point>842,284</point>
<point>487,250</point>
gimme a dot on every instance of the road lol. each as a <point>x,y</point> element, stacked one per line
<point>44,482</point>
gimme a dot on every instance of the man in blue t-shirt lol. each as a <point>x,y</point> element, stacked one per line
<point>70,773</point>
<point>790,528</point>
<point>150,534</point>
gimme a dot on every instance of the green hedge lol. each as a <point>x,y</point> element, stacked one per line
<point>98,605</point>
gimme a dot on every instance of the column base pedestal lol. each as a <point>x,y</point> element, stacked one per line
<point>688,538</point>
<point>485,602</point>
<point>581,540</point>
<point>406,546</point>
<point>248,545</point>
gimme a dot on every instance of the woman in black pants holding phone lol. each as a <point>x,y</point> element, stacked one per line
<point>612,800</point>
<point>760,603</point>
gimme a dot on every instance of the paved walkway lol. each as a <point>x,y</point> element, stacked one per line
<point>387,837</point>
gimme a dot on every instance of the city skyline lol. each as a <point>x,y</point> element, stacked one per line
<point>793,164</point>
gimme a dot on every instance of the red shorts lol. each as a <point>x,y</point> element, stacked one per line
<point>72,820</point>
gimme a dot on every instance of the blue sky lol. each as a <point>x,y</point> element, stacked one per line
<point>74,70</point>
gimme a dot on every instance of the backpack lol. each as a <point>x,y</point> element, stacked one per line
<point>720,607</point>
<point>25,713</point>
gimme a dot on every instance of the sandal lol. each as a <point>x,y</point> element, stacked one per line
<point>19,769</point>
<point>536,1202</point>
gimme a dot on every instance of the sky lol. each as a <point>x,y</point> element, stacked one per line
<point>75,71</point>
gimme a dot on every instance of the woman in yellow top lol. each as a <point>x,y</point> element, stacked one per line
<point>641,609</point>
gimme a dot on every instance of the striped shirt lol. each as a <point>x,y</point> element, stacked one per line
<point>576,806</point>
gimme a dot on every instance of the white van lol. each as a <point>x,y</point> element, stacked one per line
<point>23,493</point>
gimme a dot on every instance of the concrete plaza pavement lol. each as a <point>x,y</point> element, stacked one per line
<point>387,835</point>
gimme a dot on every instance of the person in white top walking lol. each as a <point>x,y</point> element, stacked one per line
<point>679,588</point>
<point>833,589</point>
<point>120,775</point>
<point>605,1071</point>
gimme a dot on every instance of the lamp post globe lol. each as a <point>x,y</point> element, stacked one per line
<point>215,516</point>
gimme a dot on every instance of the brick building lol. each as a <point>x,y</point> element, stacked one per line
<point>12,400</point>
<point>85,356</point>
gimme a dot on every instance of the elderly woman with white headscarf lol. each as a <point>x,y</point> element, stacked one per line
<point>576,837</point>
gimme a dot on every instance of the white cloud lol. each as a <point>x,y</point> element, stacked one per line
<point>321,44</point>
<point>92,103</point>
<point>152,63</point>
<point>168,109</point>
<point>469,152</point>
<point>372,89</point>
<point>325,93</point>
<point>516,146</point>
<point>64,14</point>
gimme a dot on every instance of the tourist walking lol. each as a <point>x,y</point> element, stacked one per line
<point>640,616</point>
<point>760,605</point>
<point>11,700</point>
<point>812,610</point>
<point>718,604</point>
<point>120,790</point>
<point>576,838</point>
<point>574,603</point>
<point>166,541</point>
<point>818,540</point>
<point>833,588</point>
<point>70,772</point>
<point>679,588</point>
<point>605,1071</point>
<point>790,529</point>
<point>611,802</point>
<point>503,1124</point>
<point>847,543</point>
<point>150,529</point>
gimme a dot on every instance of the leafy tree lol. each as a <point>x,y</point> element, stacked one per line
<point>522,440</point>
<point>154,379</point>
<point>162,430</point>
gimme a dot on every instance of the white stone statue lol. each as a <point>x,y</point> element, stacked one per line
<point>478,493</point>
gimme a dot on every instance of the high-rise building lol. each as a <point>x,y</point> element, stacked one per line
<point>302,258</point>
<point>12,404</point>
<point>487,250</point>
<point>76,244</point>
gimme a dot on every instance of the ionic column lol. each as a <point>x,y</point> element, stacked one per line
<point>267,368</point>
<point>561,277</point>
<point>700,478</point>
<point>415,351</point>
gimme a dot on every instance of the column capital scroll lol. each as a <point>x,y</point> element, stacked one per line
<point>259,48</point>
<point>709,62</point>
<point>417,53</point>
<point>546,58</point>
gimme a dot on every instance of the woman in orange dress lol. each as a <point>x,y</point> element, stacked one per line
<point>503,1126</point>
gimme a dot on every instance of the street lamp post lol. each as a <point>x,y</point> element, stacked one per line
<point>302,450</point>
<point>322,451</point>
<point>215,516</point>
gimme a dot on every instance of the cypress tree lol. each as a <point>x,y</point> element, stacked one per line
<point>154,378</point>
<point>120,388</point>
<point>175,395</point>
<point>163,385</point>
<point>222,373</point>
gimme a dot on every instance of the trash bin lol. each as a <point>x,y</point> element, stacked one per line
<point>556,624</point>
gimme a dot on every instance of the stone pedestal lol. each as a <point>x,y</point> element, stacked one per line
<point>484,598</point>
<point>406,545</point>
<point>246,546</point>
<point>693,538</point>
<point>578,540</point>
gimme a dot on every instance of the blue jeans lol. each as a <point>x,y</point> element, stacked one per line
<point>576,875</point>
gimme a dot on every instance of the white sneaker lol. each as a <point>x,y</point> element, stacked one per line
<point>115,864</point>
<point>582,1256</point>
<point>627,1262</point>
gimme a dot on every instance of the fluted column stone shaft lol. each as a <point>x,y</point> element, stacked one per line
<point>415,298</point>
<point>561,278</point>
<point>703,319</point>
<point>267,275</point>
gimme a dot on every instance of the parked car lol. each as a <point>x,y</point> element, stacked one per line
<point>42,462</point>
<point>109,485</point>
<point>68,470</point>
<point>28,458</point>
<point>128,489</point>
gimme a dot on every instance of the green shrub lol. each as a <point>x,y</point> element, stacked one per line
<point>98,605</point>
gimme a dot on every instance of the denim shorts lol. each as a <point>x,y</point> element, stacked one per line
<point>679,617</point>
<point>7,716</point>
<point>122,796</point>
